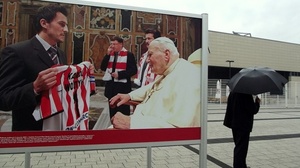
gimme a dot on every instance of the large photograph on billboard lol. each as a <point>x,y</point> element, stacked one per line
<point>108,53</point>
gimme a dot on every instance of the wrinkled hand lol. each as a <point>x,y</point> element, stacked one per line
<point>120,121</point>
<point>119,99</point>
<point>45,80</point>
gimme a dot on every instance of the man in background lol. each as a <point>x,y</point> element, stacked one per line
<point>145,75</point>
<point>119,66</point>
<point>240,112</point>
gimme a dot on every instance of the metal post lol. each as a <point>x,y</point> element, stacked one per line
<point>204,86</point>
<point>266,99</point>
<point>286,95</point>
<point>149,158</point>
<point>27,160</point>
<point>296,94</point>
<point>229,61</point>
<point>220,92</point>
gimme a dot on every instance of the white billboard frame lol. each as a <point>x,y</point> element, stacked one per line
<point>204,83</point>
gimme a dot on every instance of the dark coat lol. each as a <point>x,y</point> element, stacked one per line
<point>113,88</point>
<point>240,111</point>
<point>19,67</point>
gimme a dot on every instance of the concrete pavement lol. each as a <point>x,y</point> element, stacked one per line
<point>274,143</point>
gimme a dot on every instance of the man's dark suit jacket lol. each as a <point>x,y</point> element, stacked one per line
<point>240,111</point>
<point>20,66</point>
<point>113,88</point>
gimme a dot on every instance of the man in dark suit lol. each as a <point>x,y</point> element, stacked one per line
<point>25,69</point>
<point>239,117</point>
<point>119,66</point>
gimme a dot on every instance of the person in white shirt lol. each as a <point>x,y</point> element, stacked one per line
<point>172,100</point>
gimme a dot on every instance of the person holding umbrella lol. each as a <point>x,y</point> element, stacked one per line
<point>240,112</point>
<point>241,107</point>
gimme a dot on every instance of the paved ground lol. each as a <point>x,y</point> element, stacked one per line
<point>275,143</point>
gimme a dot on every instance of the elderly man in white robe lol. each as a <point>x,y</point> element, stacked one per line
<point>172,100</point>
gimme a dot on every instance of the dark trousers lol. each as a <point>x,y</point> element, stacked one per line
<point>241,141</point>
<point>124,109</point>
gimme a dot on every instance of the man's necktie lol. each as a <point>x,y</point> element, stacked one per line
<point>53,55</point>
<point>143,71</point>
<point>115,62</point>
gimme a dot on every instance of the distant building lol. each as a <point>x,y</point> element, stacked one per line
<point>248,51</point>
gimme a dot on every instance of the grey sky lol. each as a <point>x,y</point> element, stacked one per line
<point>275,20</point>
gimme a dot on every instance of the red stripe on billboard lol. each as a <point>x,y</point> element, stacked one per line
<point>67,138</point>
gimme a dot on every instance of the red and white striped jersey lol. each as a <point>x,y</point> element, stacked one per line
<point>69,98</point>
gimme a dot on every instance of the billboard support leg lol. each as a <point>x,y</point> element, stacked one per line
<point>27,159</point>
<point>204,86</point>
<point>149,159</point>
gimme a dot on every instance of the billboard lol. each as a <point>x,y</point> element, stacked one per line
<point>91,26</point>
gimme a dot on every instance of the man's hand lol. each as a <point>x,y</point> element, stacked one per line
<point>115,75</point>
<point>110,49</point>
<point>119,99</point>
<point>257,100</point>
<point>120,121</point>
<point>45,80</point>
<point>92,69</point>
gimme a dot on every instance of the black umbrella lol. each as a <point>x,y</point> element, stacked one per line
<point>256,80</point>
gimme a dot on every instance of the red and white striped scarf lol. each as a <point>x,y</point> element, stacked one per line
<point>148,76</point>
<point>121,65</point>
